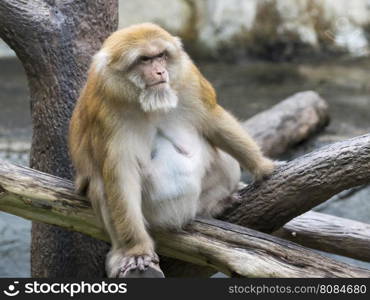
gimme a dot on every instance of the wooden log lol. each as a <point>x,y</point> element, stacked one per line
<point>330,234</point>
<point>232,249</point>
<point>288,123</point>
<point>239,251</point>
<point>301,184</point>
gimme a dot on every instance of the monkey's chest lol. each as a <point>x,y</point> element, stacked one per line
<point>177,165</point>
<point>179,159</point>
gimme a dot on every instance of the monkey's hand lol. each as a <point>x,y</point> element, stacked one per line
<point>140,266</point>
<point>266,168</point>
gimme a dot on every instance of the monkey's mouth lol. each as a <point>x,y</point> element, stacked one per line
<point>157,83</point>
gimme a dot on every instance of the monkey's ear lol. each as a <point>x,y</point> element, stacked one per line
<point>101,59</point>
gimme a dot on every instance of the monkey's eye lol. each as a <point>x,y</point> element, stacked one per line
<point>145,59</point>
<point>163,55</point>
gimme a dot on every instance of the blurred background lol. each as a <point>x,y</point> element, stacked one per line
<point>256,53</point>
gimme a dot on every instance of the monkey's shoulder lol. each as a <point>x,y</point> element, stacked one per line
<point>206,91</point>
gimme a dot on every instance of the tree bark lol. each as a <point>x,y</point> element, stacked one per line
<point>239,251</point>
<point>288,123</point>
<point>55,41</point>
<point>301,184</point>
<point>330,234</point>
<point>228,248</point>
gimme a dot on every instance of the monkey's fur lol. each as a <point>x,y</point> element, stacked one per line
<point>151,146</point>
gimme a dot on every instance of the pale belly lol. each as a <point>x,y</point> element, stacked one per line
<point>173,179</point>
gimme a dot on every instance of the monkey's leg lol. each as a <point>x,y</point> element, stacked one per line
<point>132,253</point>
<point>220,185</point>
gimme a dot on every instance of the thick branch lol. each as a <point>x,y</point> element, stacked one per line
<point>231,249</point>
<point>303,183</point>
<point>329,233</point>
<point>238,251</point>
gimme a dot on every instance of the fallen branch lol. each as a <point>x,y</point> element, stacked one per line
<point>288,123</point>
<point>330,234</point>
<point>301,184</point>
<point>231,249</point>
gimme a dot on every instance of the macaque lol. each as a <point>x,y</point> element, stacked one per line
<point>151,147</point>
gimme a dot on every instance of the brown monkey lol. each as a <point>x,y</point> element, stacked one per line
<point>151,146</point>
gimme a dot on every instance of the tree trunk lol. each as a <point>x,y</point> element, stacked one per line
<point>55,41</point>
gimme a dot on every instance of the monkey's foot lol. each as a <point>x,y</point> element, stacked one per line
<point>143,266</point>
<point>233,199</point>
<point>228,203</point>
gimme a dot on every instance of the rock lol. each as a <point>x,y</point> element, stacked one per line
<point>272,29</point>
<point>267,29</point>
<point>174,15</point>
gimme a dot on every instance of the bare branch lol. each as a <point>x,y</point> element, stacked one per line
<point>329,233</point>
<point>289,122</point>
<point>303,183</point>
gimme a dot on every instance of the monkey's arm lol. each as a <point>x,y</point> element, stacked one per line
<point>227,134</point>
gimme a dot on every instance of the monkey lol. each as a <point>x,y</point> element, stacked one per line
<point>151,147</point>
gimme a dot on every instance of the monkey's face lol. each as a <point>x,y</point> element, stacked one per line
<point>145,63</point>
<point>152,70</point>
<point>152,74</point>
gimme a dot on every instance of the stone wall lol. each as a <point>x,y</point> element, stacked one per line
<point>270,29</point>
<point>267,29</point>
